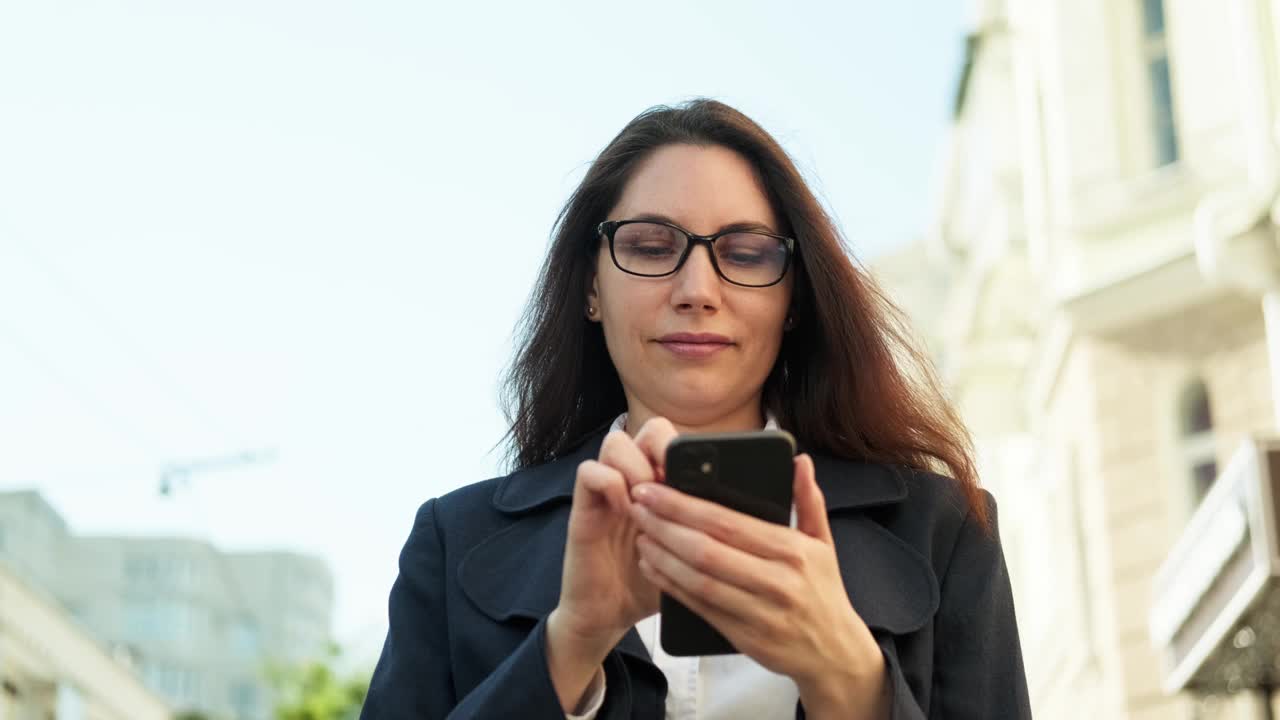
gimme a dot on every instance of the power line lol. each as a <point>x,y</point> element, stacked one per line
<point>79,392</point>
<point>127,344</point>
<point>173,473</point>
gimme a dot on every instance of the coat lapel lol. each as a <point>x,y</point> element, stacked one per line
<point>516,572</point>
<point>890,584</point>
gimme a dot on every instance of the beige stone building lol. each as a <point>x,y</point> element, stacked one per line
<point>1099,289</point>
<point>51,668</point>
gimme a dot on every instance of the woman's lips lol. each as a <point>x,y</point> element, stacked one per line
<point>694,345</point>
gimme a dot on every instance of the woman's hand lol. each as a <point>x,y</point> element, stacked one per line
<point>602,591</point>
<point>773,591</point>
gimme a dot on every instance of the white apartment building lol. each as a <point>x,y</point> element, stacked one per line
<point>202,626</point>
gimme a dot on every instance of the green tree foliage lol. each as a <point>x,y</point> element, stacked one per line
<point>316,691</point>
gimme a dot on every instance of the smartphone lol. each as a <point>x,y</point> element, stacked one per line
<point>750,472</point>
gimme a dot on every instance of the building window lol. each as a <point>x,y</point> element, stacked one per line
<point>244,698</point>
<point>70,703</point>
<point>245,642</point>
<point>179,685</point>
<point>1155,47</point>
<point>164,620</point>
<point>1196,428</point>
<point>159,570</point>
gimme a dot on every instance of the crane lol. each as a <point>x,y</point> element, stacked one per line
<point>174,473</point>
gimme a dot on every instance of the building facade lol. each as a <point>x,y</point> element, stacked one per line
<point>51,668</point>
<point>1103,307</point>
<point>202,626</point>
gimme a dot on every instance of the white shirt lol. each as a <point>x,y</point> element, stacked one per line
<point>712,687</point>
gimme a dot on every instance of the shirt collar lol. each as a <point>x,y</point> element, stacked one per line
<point>620,423</point>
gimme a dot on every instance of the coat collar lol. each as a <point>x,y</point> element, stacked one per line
<point>846,484</point>
<point>516,572</point>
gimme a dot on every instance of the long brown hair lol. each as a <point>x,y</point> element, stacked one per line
<point>848,380</point>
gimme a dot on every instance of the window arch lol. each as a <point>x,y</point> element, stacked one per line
<point>1195,428</point>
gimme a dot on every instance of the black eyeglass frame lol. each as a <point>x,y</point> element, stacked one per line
<point>609,227</point>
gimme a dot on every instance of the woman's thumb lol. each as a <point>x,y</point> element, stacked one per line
<point>811,506</point>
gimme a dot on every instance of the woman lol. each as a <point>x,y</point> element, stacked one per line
<point>696,285</point>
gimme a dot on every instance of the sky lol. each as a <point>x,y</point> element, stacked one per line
<point>306,230</point>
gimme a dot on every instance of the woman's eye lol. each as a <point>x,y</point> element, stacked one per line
<point>743,258</point>
<point>650,250</point>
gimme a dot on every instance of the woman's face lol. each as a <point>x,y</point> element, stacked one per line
<point>694,384</point>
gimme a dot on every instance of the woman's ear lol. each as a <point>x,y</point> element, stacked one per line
<point>593,300</point>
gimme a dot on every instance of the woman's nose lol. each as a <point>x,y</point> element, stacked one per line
<point>697,284</point>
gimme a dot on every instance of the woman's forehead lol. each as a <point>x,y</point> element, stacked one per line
<point>701,188</point>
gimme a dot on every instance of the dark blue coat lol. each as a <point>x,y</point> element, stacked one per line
<point>481,572</point>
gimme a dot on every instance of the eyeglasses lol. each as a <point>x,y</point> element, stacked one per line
<point>656,249</point>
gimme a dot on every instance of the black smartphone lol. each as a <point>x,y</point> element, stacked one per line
<point>750,472</point>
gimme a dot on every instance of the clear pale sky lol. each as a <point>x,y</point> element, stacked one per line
<point>310,227</point>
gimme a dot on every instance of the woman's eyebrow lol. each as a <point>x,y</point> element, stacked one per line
<point>741,225</point>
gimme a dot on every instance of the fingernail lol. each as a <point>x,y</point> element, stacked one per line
<point>642,492</point>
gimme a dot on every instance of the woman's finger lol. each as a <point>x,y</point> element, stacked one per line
<point>749,534</point>
<point>701,593</point>
<point>654,437</point>
<point>750,636</point>
<point>811,506</point>
<point>621,452</point>
<point>604,482</point>
<point>706,555</point>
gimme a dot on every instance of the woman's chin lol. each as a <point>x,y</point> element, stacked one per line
<point>695,404</point>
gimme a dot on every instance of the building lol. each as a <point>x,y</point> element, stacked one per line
<point>203,626</point>
<point>33,537</point>
<point>1103,307</point>
<point>51,668</point>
